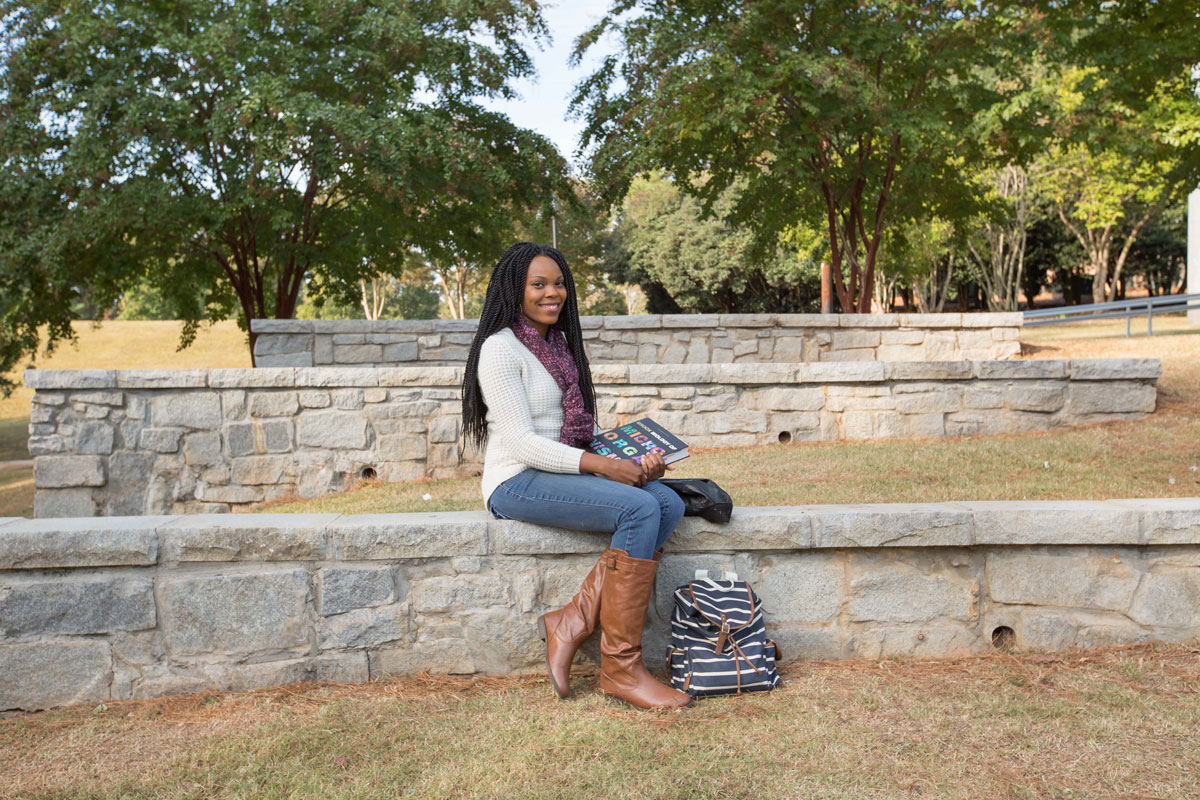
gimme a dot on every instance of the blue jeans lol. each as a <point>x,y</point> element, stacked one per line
<point>642,519</point>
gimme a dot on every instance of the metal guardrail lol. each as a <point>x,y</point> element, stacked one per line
<point>1141,306</point>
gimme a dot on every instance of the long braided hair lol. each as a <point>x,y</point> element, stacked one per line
<point>505,293</point>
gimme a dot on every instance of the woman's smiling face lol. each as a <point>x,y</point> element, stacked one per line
<point>545,293</point>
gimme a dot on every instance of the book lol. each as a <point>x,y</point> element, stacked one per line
<point>637,439</point>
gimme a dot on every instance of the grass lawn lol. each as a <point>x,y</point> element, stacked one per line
<point>1101,724</point>
<point>1154,457</point>
<point>1137,459</point>
<point>121,345</point>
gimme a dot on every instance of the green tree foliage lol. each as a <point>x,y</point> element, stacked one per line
<point>847,113</point>
<point>688,262</point>
<point>238,147</point>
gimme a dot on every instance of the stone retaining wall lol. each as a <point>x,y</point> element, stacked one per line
<point>185,441</point>
<point>657,339</point>
<point>99,609</point>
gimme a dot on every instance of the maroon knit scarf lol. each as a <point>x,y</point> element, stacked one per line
<point>553,353</point>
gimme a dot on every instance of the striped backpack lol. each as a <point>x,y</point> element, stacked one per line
<point>719,643</point>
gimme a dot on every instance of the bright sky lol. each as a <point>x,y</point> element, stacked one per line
<point>544,100</point>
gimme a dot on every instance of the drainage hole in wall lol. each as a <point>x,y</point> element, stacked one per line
<point>1004,638</point>
<point>785,437</point>
<point>368,473</point>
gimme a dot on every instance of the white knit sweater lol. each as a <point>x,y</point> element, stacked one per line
<point>524,413</point>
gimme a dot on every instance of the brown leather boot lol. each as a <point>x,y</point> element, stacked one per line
<point>623,599</point>
<point>565,629</point>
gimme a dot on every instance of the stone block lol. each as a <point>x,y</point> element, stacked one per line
<point>1112,397</point>
<point>1021,522</point>
<point>233,404</point>
<point>400,353</point>
<point>438,657</point>
<point>364,627</point>
<point>237,615</point>
<point>1060,577</point>
<point>919,321</point>
<point>1169,599</point>
<point>281,326</point>
<point>41,675</point>
<point>801,589</point>
<point>891,525</point>
<point>984,395</point>
<point>249,537</point>
<point>402,447</point>
<point>898,337</point>
<point>337,430</point>
<point>1026,396</point>
<point>360,353</point>
<point>843,372</point>
<point>284,360</point>
<point>70,379</point>
<point>241,438</point>
<point>262,470</point>
<point>749,528</point>
<point>943,400</point>
<point>1034,369</point>
<point>350,399</point>
<point>235,495</point>
<point>79,542</point>
<point>49,503</point>
<point>276,435</point>
<point>686,374</point>
<point>926,426</point>
<point>344,589</point>
<point>374,395</point>
<point>281,343</point>
<point>198,409</point>
<point>314,399</point>
<point>898,352</point>
<point>46,445</point>
<point>853,338</point>
<point>1108,369</point>
<point>1166,520</point>
<point>274,404</point>
<point>202,448</point>
<point>30,606</point>
<point>66,472</point>
<point>371,537</point>
<point>883,590</point>
<point>937,639</point>
<point>334,667</point>
<point>930,371</point>
<point>321,377</point>
<point>452,594</point>
<point>128,474</point>
<point>260,377</point>
<point>160,440</point>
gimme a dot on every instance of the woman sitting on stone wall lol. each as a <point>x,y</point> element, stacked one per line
<point>528,398</point>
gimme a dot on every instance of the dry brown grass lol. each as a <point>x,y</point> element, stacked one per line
<point>1087,724</point>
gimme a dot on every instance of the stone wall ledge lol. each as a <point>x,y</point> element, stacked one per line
<point>93,610</point>
<point>1097,369</point>
<point>652,321</point>
<point>145,541</point>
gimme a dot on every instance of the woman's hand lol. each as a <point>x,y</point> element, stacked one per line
<point>621,470</point>
<point>653,467</point>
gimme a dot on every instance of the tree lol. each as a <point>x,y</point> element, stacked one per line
<point>1108,178</point>
<point>686,262</point>
<point>242,146</point>
<point>998,246</point>
<point>1128,121</point>
<point>850,113</point>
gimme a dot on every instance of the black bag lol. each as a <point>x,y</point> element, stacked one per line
<point>701,498</point>
<point>719,644</point>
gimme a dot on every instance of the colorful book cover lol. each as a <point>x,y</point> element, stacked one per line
<point>638,439</point>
